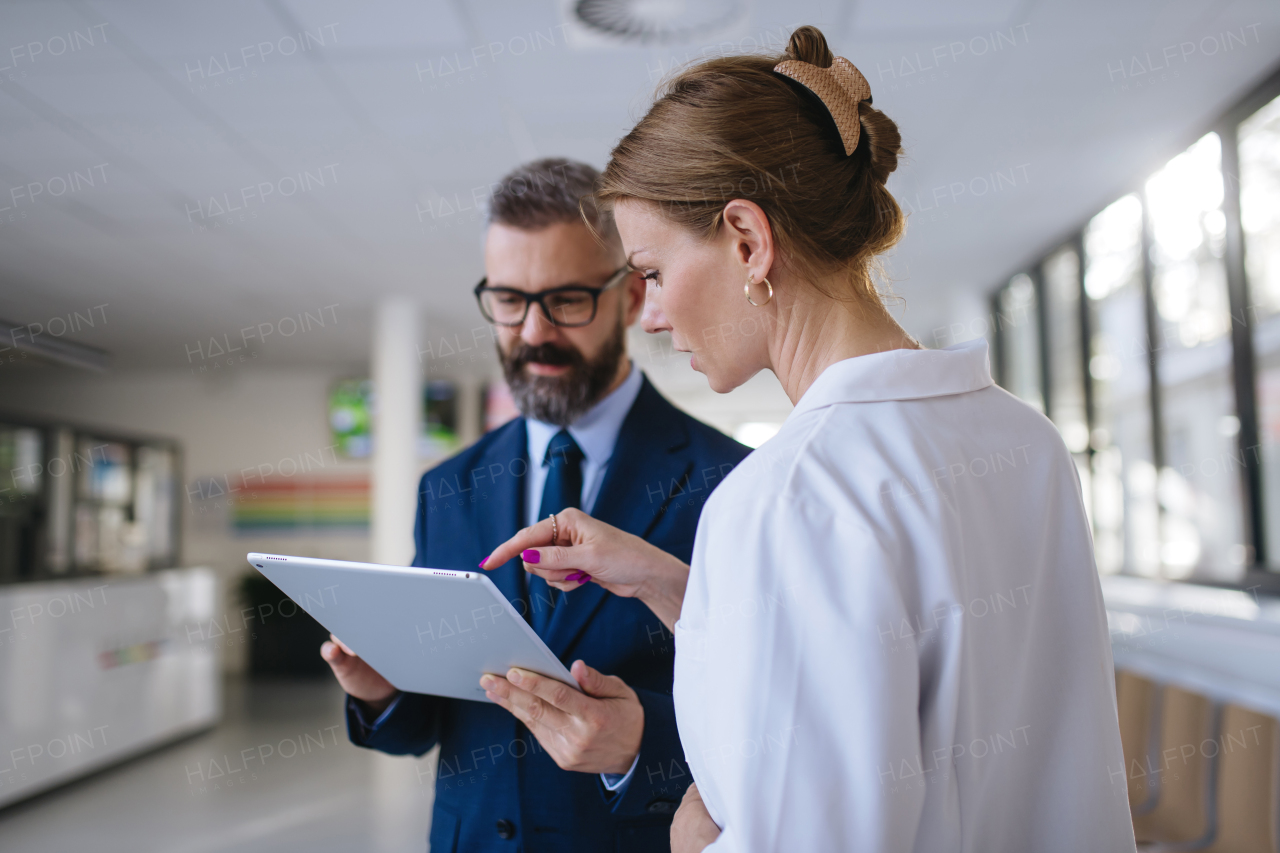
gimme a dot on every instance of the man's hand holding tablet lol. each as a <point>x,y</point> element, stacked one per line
<point>357,678</point>
<point>595,731</point>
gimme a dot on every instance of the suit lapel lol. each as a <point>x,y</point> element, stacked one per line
<point>500,518</point>
<point>645,470</point>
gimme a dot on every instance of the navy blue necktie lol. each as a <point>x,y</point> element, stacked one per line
<point>562,490</point>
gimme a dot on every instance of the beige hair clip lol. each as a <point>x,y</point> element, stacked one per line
<point>841,88</point>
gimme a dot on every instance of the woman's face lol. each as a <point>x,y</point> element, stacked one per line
<point>694,291</point>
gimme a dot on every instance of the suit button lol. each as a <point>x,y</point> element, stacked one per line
<point>662,807</point>
<point>506,829</point>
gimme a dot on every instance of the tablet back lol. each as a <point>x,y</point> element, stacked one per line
<point>425,630</point>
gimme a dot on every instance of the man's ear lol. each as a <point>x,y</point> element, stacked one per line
<point>746,227</point>
<point>633,290</point>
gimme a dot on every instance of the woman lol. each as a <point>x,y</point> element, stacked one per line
<point>892,635</point>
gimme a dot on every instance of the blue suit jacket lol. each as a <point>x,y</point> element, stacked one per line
<point>494,781</point>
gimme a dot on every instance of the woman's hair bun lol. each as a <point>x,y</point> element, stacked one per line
<point>808,44</point>
<point>883,141</point>
<point>879,134</point>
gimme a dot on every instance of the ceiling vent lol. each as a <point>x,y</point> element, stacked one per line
<point>656,22</point>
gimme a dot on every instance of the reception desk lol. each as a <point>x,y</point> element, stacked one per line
<point>96,669</point>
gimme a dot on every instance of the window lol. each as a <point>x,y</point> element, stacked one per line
<point>1125,514</point>
<point>1199,483</point>
<point>1260,217</point>
<point>1019,331</point>
<point>1131,338</point>
<point>21,480</point>
<point>125,504</point>
<point>1062,291</point>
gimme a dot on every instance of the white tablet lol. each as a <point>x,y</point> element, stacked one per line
<point>425,630</point>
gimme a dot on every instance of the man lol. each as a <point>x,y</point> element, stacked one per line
<point>602,770</point>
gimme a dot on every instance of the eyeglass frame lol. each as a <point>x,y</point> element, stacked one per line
<point>615,278</point>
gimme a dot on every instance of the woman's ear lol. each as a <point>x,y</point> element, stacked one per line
<point>746,227</point>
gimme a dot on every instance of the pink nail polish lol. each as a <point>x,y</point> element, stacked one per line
<point>530,556</point>
<point>482,562</point>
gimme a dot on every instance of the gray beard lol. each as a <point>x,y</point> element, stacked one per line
<point>561,400</point>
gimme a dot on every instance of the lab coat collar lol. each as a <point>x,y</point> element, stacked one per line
<point>901,374</point>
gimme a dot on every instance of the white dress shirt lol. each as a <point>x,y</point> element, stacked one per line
<point>893,637</point>
<point>596,433</point>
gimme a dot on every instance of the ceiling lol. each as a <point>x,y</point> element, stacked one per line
<point>182,171</point>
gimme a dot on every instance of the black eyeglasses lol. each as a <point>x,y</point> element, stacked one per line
<point>571,305</point>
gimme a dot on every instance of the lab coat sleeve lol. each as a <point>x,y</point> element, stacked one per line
<point>813,740</point>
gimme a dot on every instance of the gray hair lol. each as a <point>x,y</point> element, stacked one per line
<point>554,189</point>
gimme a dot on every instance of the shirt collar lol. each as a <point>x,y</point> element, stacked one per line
<point>597,430</point>
<point>902,374</point>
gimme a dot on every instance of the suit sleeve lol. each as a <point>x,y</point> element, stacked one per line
<point>661,774</point>
<point>411,724</point>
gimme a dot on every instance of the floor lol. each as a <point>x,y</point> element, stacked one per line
<point>311,790</point>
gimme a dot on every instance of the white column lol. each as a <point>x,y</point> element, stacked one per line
<point>397,388</point>
<point>469,409</point>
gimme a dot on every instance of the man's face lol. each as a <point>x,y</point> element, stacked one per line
<point>556,373</point>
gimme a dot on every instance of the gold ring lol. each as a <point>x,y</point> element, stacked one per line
<point>555,533</point>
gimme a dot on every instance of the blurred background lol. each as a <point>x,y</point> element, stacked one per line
<point>223,227</point>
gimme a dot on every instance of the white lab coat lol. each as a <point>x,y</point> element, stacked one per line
<point>893,637</point>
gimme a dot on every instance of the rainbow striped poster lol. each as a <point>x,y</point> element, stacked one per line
<point>302,503</point>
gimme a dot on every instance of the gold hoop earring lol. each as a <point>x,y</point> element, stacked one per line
<point>746,288</point>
